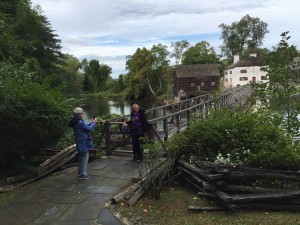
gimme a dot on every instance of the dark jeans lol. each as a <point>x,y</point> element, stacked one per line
<point>137,141</point>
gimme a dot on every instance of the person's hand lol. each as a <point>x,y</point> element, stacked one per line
<point>146,137</point>
<point>124,124</point>
<point>94,120</point>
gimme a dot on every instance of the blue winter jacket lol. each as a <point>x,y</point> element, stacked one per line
<point>81,131</point>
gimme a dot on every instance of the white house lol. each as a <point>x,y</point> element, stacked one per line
<point>242,72</point>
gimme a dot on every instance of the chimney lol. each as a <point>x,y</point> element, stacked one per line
<point>236,58</point>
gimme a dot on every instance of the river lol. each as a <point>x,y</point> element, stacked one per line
<point>101,107</point>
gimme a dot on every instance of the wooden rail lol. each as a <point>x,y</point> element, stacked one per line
<point>171,118</point>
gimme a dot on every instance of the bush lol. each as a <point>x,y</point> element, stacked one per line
<point>32,116</point>
<point>253,139</point>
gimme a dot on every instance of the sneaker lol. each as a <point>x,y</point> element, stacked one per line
<point>86,173</point>
<point>83,178</point>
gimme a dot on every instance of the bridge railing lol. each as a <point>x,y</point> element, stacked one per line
<point>171,118</point>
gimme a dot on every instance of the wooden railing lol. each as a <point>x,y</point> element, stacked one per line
<point>171,118</point>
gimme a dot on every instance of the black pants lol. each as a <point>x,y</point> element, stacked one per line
<point>137,141</point>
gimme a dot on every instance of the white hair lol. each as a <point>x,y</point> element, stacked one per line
<point>77,111</point>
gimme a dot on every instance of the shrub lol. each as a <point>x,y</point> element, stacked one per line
<point>250,138</point>
<point>32,116</point>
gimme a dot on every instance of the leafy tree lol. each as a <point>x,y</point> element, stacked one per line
<point>179,47</point>
<point>147,70</point>
<point>87,82</point>
<point>105,72</point>
<point>201,53</point>
<point>120,83</point>
<point>283,83</point>
<point>28,36</point>
<point>71,77</point>
<point>95,74</point>
<point>248,33</point>
<point>36,37</point>
<point>139,67</point>
<point>157,80</point>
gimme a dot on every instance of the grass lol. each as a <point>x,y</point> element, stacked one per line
<point>171,209</point>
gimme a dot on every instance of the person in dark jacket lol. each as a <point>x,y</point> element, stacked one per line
<point>83,140</point>
<point>139,131</point>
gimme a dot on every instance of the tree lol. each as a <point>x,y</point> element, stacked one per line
<point>179,47</point>
<point>71,77</point>
<point>120,86</point>
<point>87,83</point>
<point>28,35</point>
<point>139,67</point>
<point>248,33</point>
<point>37,38</point>
<point>95,74</point>
<point>147,71</point>
<point>159,68</point>
<point>283,83</point>
<point>105,72</point>
<point>201,53</point>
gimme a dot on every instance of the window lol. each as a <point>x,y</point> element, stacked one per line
<point>225,72</point>
<point>192,84</point>
<point>243,71</point>
<point>243,78</point>
<point>230,72</point>
<point>202,84</point>
<point>212,83</point>
<point>264,78</point>
<point>226,79</point>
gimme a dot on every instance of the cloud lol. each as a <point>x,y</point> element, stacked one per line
<point>110,30</point>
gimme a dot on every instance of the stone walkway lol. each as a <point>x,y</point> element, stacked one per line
<point>64,200</point>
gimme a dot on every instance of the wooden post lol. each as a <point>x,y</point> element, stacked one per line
<point>178,122</point>
<point>107,138</point>
<point>165,125</point>
<point>188,118</point>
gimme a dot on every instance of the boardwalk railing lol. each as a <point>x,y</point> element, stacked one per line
<point>171,118</point>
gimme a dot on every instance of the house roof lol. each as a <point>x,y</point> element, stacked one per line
<point>251,61</point>
<point>197,70</point>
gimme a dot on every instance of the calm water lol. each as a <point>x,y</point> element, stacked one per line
<point>100,107</point>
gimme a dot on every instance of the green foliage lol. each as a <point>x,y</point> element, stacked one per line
<point>71,78</point>
<point>95,75</point>
<point>33,116</point>
<point>147,72</point>
<point>254,139</point>
<point>283,85</point>
<point>201,53</point>
<point>179,48</point>
<point>139,68</point>
<point>248,33</point>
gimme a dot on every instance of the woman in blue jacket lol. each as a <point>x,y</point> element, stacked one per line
<point>83,140</point>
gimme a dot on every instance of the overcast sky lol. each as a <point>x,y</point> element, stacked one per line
<point>109,30</point>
